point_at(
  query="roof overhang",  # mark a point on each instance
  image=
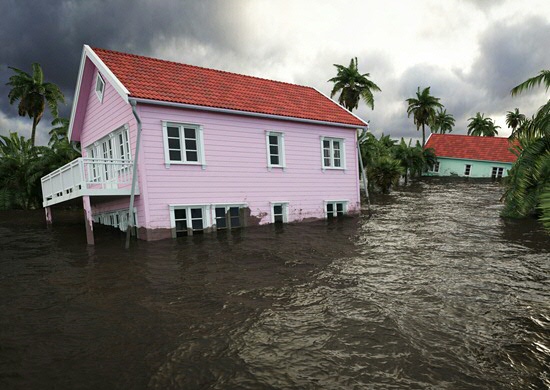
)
(247, 113)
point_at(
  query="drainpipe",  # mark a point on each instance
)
(361, 137)
(131, 214)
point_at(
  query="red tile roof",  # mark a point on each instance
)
(150, 78)
(471, 147)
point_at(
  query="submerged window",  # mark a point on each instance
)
(467, 170)
(279, 212)
(183, 143)
(333, 152)
(228, 217)
(189, 220)
(275, 149)
(335, 209)
(497, 172)
(99, 87)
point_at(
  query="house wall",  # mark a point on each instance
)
(456, 167)
(236, 167)
(102, 118)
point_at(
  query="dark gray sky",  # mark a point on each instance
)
(470, 52)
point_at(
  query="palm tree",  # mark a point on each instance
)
(423, 110)
(481, 126)
(411, 158)
(528, 184)
(353, 86)
(514, 119)
(442, 122)
(385, 172)
(21, 167)
(33, 94)
(543, 77)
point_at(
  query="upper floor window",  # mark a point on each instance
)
(467, 170)
(114, 146)
(275, 149)
(99, 87)
(183, 144)
(333, 153)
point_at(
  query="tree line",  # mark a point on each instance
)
(527, 187)
(22, 163)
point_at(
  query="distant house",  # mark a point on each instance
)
(217, 150)
(470, 156)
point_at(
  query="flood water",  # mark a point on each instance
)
(434, 291)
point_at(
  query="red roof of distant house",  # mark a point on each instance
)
(154, 79)
(471, 147)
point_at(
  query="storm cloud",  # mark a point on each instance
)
(297, 41)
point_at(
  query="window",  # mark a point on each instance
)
(435, 168)
(333, 153)
(335, 209)
(115, 146)
(497, 172)
(99, 87)
(189, 220)
(279, 212)
(183, 144)
(275, 149)
(228, 217)
(467, 170)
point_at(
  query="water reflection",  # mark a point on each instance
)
(433, 291)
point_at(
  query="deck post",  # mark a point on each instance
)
(48, 211)
(88, 220)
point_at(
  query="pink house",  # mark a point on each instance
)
(206, 149)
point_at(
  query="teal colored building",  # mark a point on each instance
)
(470, 156)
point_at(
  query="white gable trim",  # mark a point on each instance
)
(106, 72)
(87, 52)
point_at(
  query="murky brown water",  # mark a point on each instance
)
(435, 291)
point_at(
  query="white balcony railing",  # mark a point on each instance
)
(87, 176)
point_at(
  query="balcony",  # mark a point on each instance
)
(88, 177)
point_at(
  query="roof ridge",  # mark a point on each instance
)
(202, 67)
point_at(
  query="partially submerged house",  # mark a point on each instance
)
(206, 149)
(470, 156)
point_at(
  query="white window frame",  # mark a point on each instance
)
(284, 205)
(467, 170)
(334, 204)
(435, 168)
(228, 206)
(332, 140)
(110, 148)
(201, 160)
(495, 175)
(206, 221)
(99, 87)
(280, 146)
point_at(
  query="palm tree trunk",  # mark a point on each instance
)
(33, 133)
